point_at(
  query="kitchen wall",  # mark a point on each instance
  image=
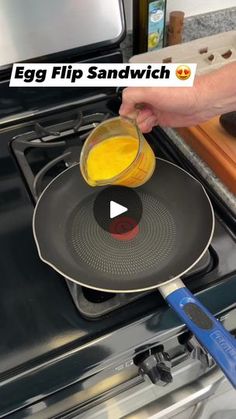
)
(190, 7)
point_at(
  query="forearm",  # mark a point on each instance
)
(217, 90)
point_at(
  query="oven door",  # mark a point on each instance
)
(126, 394)
(203, 398)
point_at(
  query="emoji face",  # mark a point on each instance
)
(183, 72)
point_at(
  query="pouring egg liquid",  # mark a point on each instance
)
(124, 159)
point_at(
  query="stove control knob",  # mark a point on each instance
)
(197, 351)
(157, 367)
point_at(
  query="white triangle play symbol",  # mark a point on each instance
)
(116, 209)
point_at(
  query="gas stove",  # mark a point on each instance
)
(67, 351)
(46, 151)
(63, 339)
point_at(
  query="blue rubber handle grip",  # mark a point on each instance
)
(207, 329)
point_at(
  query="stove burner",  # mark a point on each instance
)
(93, 304)
(46, 151)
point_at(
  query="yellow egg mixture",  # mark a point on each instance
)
(111, 157)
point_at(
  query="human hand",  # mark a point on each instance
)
(164, 106)
(212, 94)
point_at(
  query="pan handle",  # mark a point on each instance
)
(207, 329)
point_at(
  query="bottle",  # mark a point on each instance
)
(148, 25)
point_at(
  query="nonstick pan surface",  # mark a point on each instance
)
(175, 230)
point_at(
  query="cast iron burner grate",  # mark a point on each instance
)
(44, 152)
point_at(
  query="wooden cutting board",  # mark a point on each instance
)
(216, 147)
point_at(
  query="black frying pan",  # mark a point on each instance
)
(174, 233)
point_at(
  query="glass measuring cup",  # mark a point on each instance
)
(136, 172)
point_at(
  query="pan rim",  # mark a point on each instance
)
(153, 287)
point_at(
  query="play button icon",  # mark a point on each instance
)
(117, 209)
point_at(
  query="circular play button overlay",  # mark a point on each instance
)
(118, 210)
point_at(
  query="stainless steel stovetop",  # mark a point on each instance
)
(59, 337)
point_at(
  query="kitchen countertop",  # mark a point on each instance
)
(220, 189)
(209, 24)
(206, 24)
